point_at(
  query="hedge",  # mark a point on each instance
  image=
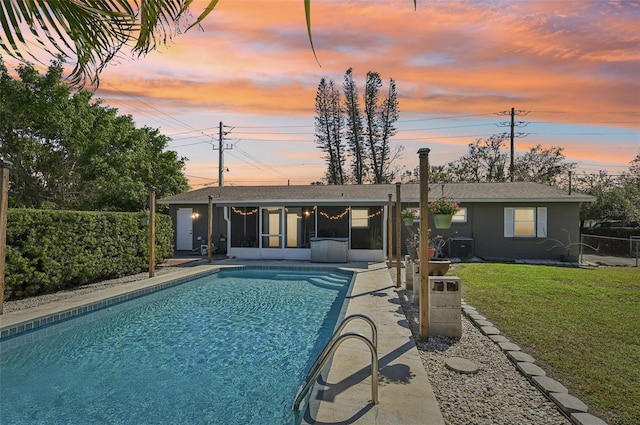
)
(52, 250)
(612, 232)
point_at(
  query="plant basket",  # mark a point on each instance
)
(408, 221)
(439, 267)
(442, 221)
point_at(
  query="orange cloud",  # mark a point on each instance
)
(567, 62)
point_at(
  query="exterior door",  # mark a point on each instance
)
(272, 227)
(184, 229)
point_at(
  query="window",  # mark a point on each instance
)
(360, 218)
(460, 216)
(300, 226)
(366, 227)
(525, 222)
(244, 227)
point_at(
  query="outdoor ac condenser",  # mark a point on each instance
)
(461, 247)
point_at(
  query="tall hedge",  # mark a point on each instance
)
(613, 232)
(52, 250)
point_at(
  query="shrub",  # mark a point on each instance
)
(51, 250)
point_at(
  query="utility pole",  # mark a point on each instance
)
(221, 149)
(511, 138)
(513, 124)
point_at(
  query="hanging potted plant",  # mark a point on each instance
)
(408, 216)
(443, 209)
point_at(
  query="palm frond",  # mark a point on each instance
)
(91, 32)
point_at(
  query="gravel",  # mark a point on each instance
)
(497, 394)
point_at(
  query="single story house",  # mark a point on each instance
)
(516, 220)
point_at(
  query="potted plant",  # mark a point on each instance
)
(408, 216)
(438, 265)
(443, 210)
(413, 245)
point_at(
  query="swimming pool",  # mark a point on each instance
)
(232, 347)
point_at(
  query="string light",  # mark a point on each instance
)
(308, 213)
(335, 217)
(237, 211)
(375, 213)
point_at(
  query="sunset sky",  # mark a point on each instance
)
(573, 66)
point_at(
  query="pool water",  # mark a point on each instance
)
(228, 348)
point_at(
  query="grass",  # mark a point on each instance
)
(582, 326)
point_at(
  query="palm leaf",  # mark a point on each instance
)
(92, 32)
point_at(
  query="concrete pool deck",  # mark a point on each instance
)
(405, 394)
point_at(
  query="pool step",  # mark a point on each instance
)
(335, 279)
(323, 281)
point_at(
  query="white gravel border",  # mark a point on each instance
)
(497, 395)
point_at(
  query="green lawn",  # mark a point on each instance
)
(582, 326)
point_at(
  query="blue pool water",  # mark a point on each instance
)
(228, 348)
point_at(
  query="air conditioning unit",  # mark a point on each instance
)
(461, 247)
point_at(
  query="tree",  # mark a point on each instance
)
(380, 118)
(372, 132)
(617, 197)
(328, 128)
(354, 127)
(541, 165)
(389, 113)
(487, 159)
(631, 181)
(70, 152)
(601, 186)
(96, 30)
(368, 138)
(485, 162)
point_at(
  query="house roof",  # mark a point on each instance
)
(374, 194)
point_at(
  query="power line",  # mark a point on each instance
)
(191, 131)
(152, 107)
(448, 117)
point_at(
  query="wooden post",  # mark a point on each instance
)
(152, 231)
(210, 230)
(390, 230)
(398, 235)
(424, 242)
(4, 206)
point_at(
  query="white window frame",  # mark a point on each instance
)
(539, 221)
(460, 216)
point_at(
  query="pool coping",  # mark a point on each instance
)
(22, 321)
(403, 400)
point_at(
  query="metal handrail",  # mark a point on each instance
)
(336, 335)
(334, 346)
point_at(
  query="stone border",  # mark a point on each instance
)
(572, 407)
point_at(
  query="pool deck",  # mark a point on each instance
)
(405, 394)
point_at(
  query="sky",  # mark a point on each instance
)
(571, 69)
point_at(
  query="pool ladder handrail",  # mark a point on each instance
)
(332, 346)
